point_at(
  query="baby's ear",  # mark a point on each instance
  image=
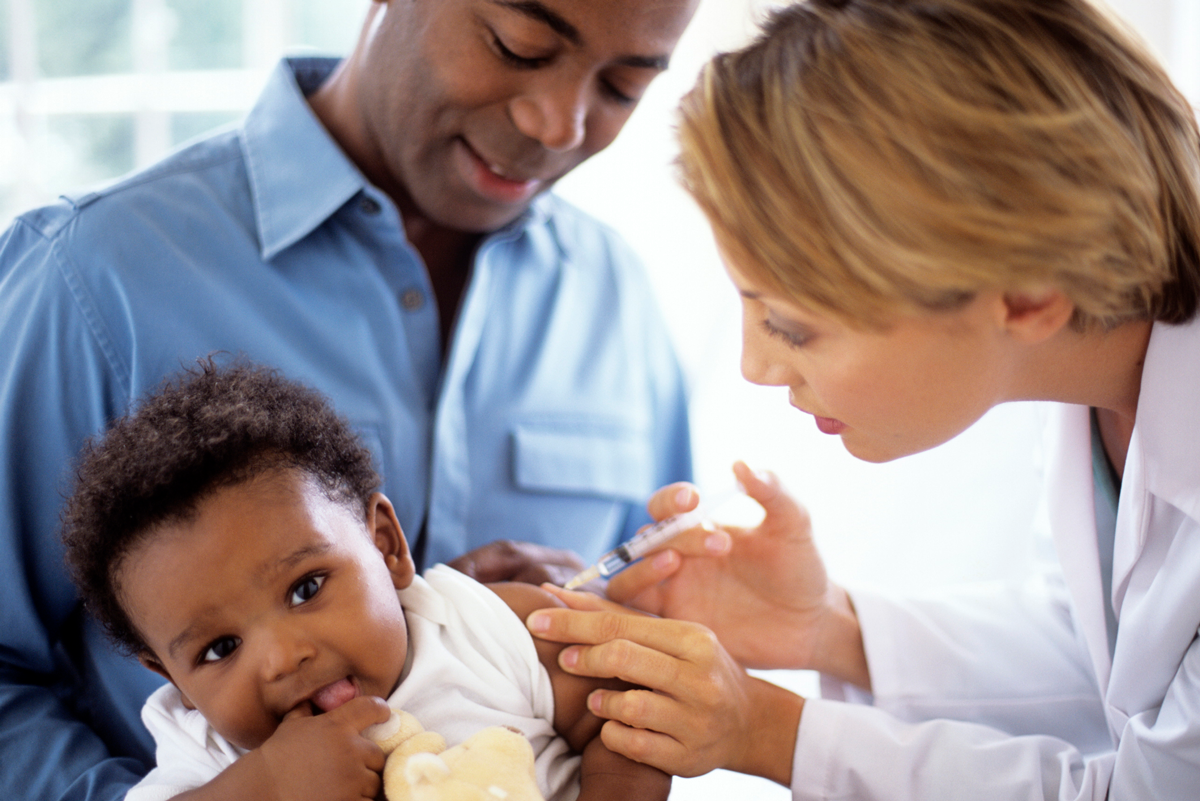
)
(150, 662)
(389, 539)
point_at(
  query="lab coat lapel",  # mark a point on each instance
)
(1073, 523)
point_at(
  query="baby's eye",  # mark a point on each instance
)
(306, 589)
(220, 649)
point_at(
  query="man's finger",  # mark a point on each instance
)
(506, 560)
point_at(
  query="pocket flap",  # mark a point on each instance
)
(584, 458)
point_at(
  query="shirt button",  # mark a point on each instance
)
(412, 299)
(369, 205)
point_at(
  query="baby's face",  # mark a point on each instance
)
(272, 598)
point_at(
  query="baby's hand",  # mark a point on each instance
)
(324, 758)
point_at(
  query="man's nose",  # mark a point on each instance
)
(554, 112)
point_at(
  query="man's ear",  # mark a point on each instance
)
(389, 539)
(1035, 315)
(150, 662)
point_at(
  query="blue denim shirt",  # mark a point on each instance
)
(558, 408)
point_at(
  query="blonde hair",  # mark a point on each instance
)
(872, 155)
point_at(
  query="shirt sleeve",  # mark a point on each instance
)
(54, 392)
(989, 699)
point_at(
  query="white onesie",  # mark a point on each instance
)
(471, 664)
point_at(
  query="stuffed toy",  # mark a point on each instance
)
(494, 764)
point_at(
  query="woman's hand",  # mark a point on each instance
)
(700, 711)
(766, 594)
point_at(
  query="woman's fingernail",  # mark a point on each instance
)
(594, 701)
(663, 561)
(538, 622)
(684, 497)
(717, 543)
(568, 657)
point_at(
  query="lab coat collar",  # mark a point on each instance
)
(1161, 463)
(1162, 459)
(1166, 426)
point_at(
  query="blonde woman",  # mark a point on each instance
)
(930, 207)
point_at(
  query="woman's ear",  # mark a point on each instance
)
(389, 539)
(1035, 315)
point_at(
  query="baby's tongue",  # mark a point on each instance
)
(331, 696)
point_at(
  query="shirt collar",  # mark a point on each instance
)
(298, 174)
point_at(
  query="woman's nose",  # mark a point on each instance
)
(554, 113)
(760, 366)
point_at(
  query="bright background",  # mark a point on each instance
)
(90, 89)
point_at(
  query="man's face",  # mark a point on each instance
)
(470, 108)
(271, 598)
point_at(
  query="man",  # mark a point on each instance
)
(380, 230)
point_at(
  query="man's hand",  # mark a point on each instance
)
(525, 562)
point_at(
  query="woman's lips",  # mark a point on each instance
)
(331, 696)
(828, 425)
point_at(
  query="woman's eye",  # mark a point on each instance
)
(306, 589)
(794, 340)
(220, 649)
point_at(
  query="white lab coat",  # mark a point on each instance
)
(1054, 716)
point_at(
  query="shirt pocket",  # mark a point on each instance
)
(609, 458)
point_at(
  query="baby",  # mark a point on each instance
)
(228, 533)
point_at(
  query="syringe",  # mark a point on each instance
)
(649, 539)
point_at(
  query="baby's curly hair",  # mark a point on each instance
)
(210, 427)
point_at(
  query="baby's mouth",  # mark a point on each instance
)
(331, 696)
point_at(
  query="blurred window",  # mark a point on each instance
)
(90, 89)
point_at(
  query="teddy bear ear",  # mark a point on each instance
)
(399, 727)
(425, 768)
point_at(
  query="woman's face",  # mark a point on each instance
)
(886, 392)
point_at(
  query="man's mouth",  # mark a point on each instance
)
(498, 181)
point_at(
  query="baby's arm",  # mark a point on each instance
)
(604, 774)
